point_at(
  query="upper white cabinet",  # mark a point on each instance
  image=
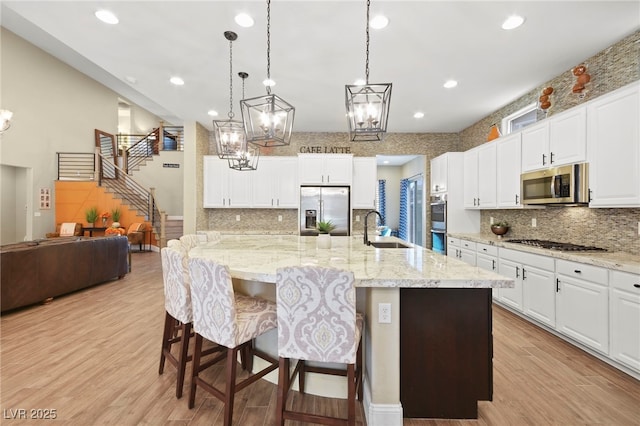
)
(614, 148)
(508, 154)
(439, 170)
(558, 140)
(325, 169)
(480, 177)
(275, 183)
(365, 180)
(225, 187)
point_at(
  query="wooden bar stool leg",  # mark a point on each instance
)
(283, 390)
(351, 394)
(230, 391)
(301, 376)
(166, 336)
(196, 370)
(182, 359)
(359, 371)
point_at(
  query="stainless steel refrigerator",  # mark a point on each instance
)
(323, 203)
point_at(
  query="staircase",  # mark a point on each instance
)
(173, 228)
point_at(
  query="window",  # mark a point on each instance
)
(520, 119)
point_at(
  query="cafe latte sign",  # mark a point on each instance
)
(325, 149)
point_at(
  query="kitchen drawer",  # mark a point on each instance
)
(487, 249)
(625, 281)
(469, 245)
(582, 271)
(453, 242)
(542, 262)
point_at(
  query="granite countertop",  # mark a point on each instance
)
(616, 260)
(256, 258)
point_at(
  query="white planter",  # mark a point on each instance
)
(324, 241)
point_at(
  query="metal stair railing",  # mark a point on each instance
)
(141, 151)
(76, 166)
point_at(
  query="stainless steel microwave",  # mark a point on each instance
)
(558, 185)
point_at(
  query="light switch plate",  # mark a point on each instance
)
(534, 222)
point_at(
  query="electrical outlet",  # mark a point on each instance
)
(534, 222)
(357, 218)
(491, 220)
(638, 228)
(384, 313)
(237, 218)
(279, 218)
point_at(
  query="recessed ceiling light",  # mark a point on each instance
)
(359, 82)
(107, 17)
(513, 21)
(378, 22)
(268, 82)
(418, 115)
(177, 81)
(244, 20)
(212, 113)
(450, 84)
(385, 162)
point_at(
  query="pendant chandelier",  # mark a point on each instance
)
(246, 158)
(368, 104)
(268, 119)
(229, 134)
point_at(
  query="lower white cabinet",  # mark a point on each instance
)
(582, 295)
(625, 318)
(487, 258)
(462, 249)
(534, 291)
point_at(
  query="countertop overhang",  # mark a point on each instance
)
(257, 257)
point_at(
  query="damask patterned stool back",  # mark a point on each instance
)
(317, 321)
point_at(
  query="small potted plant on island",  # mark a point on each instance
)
(91, 215)
(324, 233)
(500, 228)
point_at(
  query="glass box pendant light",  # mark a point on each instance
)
(368, 104)
(268, 119)
(247, 157)
(229, 134)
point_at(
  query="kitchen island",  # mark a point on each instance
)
(432, 360)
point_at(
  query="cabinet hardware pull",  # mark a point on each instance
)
(493, 266)
(590, 192)
(543, 159)
(516, 199)
(636, 285)
(577, 271)
(484, 249)
(557, 285)
(523, 272)
(551, 158)
(478, 201)
(517, 272)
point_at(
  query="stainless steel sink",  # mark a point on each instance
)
(389, 244)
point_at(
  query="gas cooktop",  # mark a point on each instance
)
(553, 245)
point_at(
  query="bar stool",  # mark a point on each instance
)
(178, 316)
(189, 241)
(230, 320)
(317, 321)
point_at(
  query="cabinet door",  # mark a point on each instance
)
(568, 137)
(264, 182)
(488, 263)
(363, 189)
(511, 296)
(471, 179)
(539, 294)
(287, 187)
(625, 318)
(613, 139)
(311, 169)
(487, 176)
(239, 187)
(508, 158)
(583, 312)
(467, 256)
(535, 147)
(215, 173)
(338, 169)
(439, 174)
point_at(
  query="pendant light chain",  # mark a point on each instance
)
(231, 114)
(367, 61)
(268, 45)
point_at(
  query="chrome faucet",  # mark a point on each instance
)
(366, 234)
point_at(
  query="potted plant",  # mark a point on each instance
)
(500, 228)
(324, 237)
(115, 214)
(91, 215)
(105, 216)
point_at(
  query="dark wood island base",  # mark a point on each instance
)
(446, 351)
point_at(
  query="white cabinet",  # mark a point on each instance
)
(487, 258)
(325, 169)
(614, 148)
(508, 155)
(462, 249)
(555, 141)
(224, 187)
(583, 304)
(534, 293)
(439, 170)
(625, 318)
(365, 181)
(275, 183)
(480, 177)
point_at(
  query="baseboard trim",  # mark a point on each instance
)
(380, 414)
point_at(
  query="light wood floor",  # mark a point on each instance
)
(93, 357)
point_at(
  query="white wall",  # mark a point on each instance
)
(166, 180)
